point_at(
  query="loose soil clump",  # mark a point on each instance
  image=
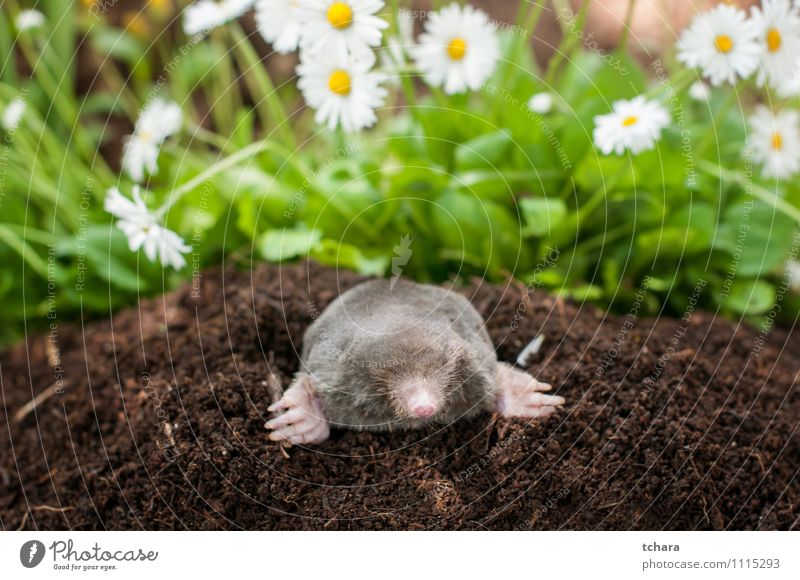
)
(154, 419)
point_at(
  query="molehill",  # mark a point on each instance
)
(155, 418)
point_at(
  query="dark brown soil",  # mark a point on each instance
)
(157, 423)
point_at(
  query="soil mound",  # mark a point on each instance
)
(155, 420)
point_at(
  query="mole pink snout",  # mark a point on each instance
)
(421, 403)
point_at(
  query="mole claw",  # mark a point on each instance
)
(317, 435)
(277, 406)
(285, 419)
(302, 419)
(540, 399)
(520, 395)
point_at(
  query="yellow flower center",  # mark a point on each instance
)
(457, 48)
(135, 23)
(339, 82)
(777, 141)
(724, 43)
(161, 6)
(340, 15)
(630, 121)
(774, 40)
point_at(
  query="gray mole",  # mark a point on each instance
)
(394, 354)
(372, 339)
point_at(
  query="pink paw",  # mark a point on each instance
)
(520, 395)
(302, 420)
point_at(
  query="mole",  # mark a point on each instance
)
(393, 354)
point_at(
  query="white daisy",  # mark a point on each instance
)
(458, 50)
(790, 87)
(12, 115)
(541, 103)
(142, 229)
(29, 19)
(774, 142)
(635, 125)
(699, 91)
(279, 23)
(723, 43)
(342, 90)
(157, 121)
(204, 15)
(332, 28)
(778, 24)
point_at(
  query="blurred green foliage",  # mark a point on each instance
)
(482, 185)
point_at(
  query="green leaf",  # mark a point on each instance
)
(687, 231)
(243, 128)
(750, 296)
(115, 271)
(117, 43)
(283, 244)
(105, 252)
(262, 200)
(7, 73)
(406, 139)
(476, 227)
(542, 215)
(193, 70)
(344, 202)
(757, 234)
(340, 255)
(102, 102)
(60, 48)
(586, 292)
(483, 152)
(600, 74)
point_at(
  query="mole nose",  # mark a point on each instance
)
(422, 404)
(423, 411)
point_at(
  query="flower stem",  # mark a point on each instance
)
(569, 231)
(208, 137)
(720, 114)
(573, 34)
(626, 27)
(528, 28)
(224, 96)
(254, 69)
(24, 250)
(232, 160)
(65, 109)
(755, 189)
(406, 80)
(527, 25)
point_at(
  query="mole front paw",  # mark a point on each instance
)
(301, 419)
(520, 395)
